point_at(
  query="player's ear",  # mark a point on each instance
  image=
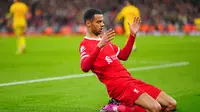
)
(88, 23)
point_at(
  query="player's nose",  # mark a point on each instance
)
(102, 24)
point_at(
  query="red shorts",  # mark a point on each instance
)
(133, 90)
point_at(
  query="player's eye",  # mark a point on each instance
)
(99, 21)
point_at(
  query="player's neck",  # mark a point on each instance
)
(89, 34)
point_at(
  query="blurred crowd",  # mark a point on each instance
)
(66, 16)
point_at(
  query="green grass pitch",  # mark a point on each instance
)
(51, 56)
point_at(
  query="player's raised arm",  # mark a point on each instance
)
(134, 28)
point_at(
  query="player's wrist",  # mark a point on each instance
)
(132, 35)
(99, 45)
(97, 49)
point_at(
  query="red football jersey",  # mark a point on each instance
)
(107, 66)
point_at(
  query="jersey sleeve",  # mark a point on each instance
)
(137, 12)
(126, 51)
(84, 51)
(88, 55)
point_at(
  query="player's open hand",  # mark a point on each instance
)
(107, 37)
(135, 26)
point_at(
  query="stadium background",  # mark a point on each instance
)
(65, 16)
(48, 77)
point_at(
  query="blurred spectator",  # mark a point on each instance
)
(157, 14)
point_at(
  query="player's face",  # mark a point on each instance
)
(97, 24)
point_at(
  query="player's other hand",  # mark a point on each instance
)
(107, 37)
(135, 26)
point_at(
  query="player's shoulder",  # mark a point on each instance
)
(128, 7)
(24, 4)
(13, 5)
(88, 43)
(16, 4)
(83, 45)
(134, 7)
(84, 41)
(87, 40)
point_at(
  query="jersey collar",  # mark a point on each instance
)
(92, 38)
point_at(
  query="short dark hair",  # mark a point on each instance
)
(89, 14)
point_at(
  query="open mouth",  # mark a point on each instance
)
(101, 30)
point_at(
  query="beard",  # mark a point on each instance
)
(97, 33)
(96, 30)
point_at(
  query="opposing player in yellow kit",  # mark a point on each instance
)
(128, 13)
(18, 10)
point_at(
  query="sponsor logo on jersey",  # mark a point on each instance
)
(82, 49)
(108, 59)
(136, 91)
